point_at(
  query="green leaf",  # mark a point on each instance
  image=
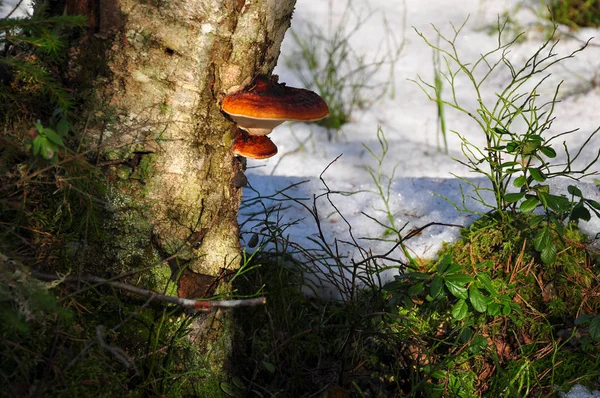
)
(536, 220)
(394, 286)
(579, 212)
(53, 137)
(416, 288)
(253, 242)
(548, 151)
(542, 197)
(477, 299)
(595, 328)
(39, 127)
(542, 239)
(542, 188)
(510, 164)
(536, 174)
(462, 279)
(532, 144)
(593, 204)
(459, 310)
(506, 309)
(583, 318)
(453, 269)
(548, 253)
(62, 127)
(513, 197)
(443, 264)
(512, 147)
(238, 383)
(418, 275)
(269, 367)
(501, 131)
(465, 335)
(229, 389)
(520, 181)
(529, 204)
(478, 344)
(487, 283)
(457, 290)
(37, 142)
(493, 309)
(47, 149)
(573, 190)
(437, 286)
(558, 203)
(433, 372)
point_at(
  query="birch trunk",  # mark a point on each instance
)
(156, 72)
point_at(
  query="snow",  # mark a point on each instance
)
(23, 9)
(579, 391)
(409, 122)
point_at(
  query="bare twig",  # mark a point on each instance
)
(197, 305)
(112, 330)
(14, 9)
(117, 352)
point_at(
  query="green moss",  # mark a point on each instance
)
(123, 172)
(144, 169)
(129, 232)
(210, 387)
(508, 250)
(160, 278)
(576, 13)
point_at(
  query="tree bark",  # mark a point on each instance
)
(156, 73)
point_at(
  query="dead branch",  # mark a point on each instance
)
(196, 305)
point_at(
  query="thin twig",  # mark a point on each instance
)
(117, 352)
(13, 10)
(112, 330)
(197, 305)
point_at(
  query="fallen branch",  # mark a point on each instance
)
(197, 305)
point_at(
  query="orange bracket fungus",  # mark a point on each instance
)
(253, 146)
(266, 104)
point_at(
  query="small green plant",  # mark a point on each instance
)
(383, 183)
(327, 63)
(49, 140)
(438, 86)
(516, 124)
(573, 13)
(593, 322)
(480, 321)
(29, 49)
(471, 294)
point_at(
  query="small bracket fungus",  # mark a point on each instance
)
(266, 104)
(253, 146)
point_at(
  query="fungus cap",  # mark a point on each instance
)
(266, 104)
(253, 146)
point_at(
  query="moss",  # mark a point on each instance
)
(210, 387)
(161, 279)
(123, 172)
(576, 13)
(144, 169)
(128, 233)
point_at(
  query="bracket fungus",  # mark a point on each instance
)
(266, 104)
(253, 146)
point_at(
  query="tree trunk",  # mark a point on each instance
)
(156, 72)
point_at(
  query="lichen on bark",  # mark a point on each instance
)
(165, 142)
(170, 65)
